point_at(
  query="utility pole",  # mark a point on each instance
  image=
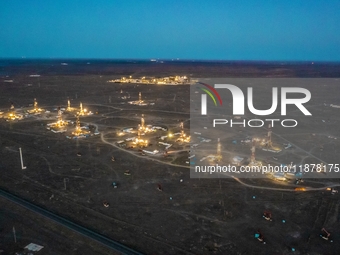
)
(22, 163)
(15, 236)
(65, 180)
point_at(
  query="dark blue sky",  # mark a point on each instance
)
(221, 30)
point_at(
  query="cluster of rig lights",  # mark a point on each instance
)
(255, 163)
(145, 130)
(83, 111)
(265, 142)
(262, 142)
(139, 102)
(35, 109)
(276, 149)
(183, 137)
(218, 151)
(12, 115)
(163, 80)
(142, 129)
(69, 108)
(59, 125)
(140, 142)
(213, 158)
(78, 130)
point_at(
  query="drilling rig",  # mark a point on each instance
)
(269, 136)
(218, 153)
(252, 157)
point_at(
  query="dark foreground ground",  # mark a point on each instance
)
(31, 228)
(195, 216)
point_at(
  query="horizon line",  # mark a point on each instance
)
(169, 59)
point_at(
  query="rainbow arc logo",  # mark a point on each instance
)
(210, 94)
(211, 91)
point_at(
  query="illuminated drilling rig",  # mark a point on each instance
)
(78, 123)
(139, 102)
(142, 123)
(252, 157)
(142, 127)
(74, 109)
(218, 153)
(269, 136)
(79, 132)
(267, 142)
(35, 104)
(35, 109)
(139, 141)
(83, 111)
(183, 137)
(59, 116)
(12, 115)
(182, 129)
(69, 108)
(138, 133)
(60, 125)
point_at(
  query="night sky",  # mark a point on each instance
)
(214, 30)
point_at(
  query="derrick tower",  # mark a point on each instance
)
(142, 122)
(269, 136)
(218, 153)
(252, 157)
(35, 104)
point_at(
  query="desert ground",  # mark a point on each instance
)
(72, 177)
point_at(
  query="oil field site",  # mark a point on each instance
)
(116, 156)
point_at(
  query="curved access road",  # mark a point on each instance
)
(115, 246)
